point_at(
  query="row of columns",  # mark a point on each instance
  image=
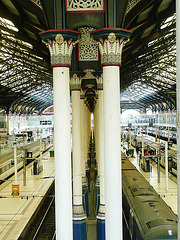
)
(110, 46)
(99, 140)
(178, 106)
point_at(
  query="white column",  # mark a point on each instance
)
(87, 129)
(62, 152)
(8, 123)
(110, 47)
(178, 105)
(112, 152)
(96, 133)
(76, 145)
(83, 139)
(15, 162)
(142, 155)
(166, 164)
(168, 135)
(60, 51)
(100, 144)
(41, 148)
(130, 139)
(156, 131)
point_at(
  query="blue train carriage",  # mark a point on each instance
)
(146, 215)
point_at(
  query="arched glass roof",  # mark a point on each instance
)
(25, 78)
(153, 72)
(148, 72)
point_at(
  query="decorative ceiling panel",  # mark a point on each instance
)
(84, 5)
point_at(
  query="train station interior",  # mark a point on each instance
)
(89, 119)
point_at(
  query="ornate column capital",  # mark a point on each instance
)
(82, 94)
(111, 42)
(75, 83)
(60, 44)
(100, 82)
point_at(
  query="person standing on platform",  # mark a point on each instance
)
(137, 149)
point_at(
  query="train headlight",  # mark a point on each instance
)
(170, 232)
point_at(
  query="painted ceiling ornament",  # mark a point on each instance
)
(38, 3)
(59, 38)
(112, 37)
(87, 49)
(89, 73)
(84, 5)
(131, 4)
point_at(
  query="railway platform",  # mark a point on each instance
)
(17, 210)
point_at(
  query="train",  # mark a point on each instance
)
(163, 132)
(32, 152)
(146, 214)
(159, 132)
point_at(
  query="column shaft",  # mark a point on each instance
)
(87, 130)
(112, 156)
(62, 152)
(76, 144)
(178, 106)
(8, 123)
(83, 139)
(101, 147)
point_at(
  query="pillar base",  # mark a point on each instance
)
(85, 199)
(79, 223)
(101, 223)
(97, 189)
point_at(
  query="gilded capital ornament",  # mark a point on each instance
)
(111, 50)
(111, 42)
(75, 82)
(99, 81)
(60, 50)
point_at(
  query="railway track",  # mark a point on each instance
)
(46, 229)
(42, 225)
